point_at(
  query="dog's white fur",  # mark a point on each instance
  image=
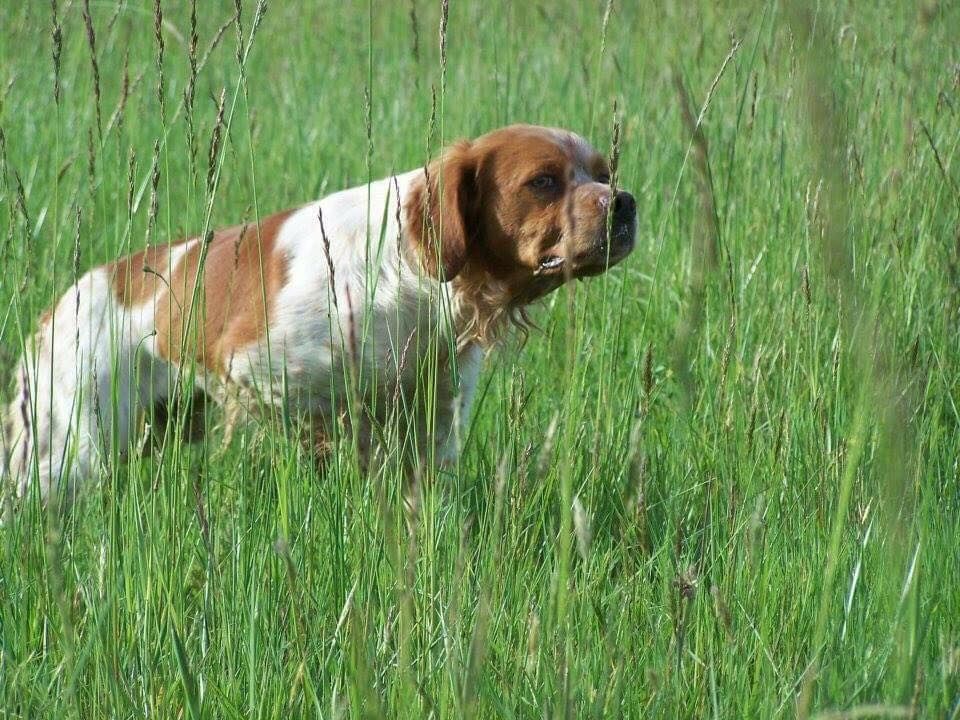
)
(93, 365)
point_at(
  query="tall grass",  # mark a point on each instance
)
(720, 480)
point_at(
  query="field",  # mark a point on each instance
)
(720, 481)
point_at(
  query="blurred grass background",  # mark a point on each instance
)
(720, 488)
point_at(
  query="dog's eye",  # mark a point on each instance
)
(603, 178)
(544, 182)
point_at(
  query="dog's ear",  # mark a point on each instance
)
(442, 212)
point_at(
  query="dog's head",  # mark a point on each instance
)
(529, 206)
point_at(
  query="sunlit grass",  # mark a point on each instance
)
(723, 488)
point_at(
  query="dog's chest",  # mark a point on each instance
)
(372, 331)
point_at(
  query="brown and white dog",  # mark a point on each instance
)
(354, 293)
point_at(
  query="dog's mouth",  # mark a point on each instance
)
(549, 264)
(599, 258)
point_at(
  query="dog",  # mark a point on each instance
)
(387, 295)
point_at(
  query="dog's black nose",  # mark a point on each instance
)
(624, 206)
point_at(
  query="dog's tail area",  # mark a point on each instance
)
(16, 436)
(25, 426)
(80, 384)
(77, 386)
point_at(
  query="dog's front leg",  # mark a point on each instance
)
(453, 422)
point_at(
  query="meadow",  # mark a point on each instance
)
(719, 481)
